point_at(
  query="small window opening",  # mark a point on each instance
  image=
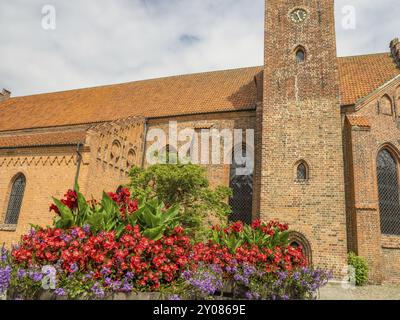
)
(300, 55)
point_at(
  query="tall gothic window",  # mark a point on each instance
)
(15, 201)
(388, 188)
(241, 184)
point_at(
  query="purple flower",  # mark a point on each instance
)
(206, 282)
(60, 292)
(116, 285)
(296, 276)
(107, 281)
(86, 228)
(282, 275)
(129, 275)
(105, 271)
(127, 287)
(74, 267)
(35, 276)
(21, 273)
(98, 291)
(174, 297)
(186, 274)
(5, 277)
(248, 270)
(249, 295)
(3, 254)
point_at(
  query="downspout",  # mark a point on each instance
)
(145, 142)
(78, 165)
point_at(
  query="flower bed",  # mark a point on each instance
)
(137, 255)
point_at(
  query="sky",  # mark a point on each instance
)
(56, 45)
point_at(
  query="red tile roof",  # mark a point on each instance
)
(358, 121)
(189, 94)
(217, 91)
(361, 75)
(43, 139)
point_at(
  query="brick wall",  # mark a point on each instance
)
(48, 171)
(373, 124)
(114, 149)
(51, 171)
(301, 121)
(218, 174)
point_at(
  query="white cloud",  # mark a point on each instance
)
(111, 41)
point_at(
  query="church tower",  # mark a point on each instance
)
(302, 180)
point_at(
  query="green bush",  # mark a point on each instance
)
(187, 186)
(361, 268)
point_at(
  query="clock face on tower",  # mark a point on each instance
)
(298, 15)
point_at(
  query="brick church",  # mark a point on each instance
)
(327, 137)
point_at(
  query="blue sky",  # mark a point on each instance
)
(99, 42)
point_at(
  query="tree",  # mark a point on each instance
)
(185, 185)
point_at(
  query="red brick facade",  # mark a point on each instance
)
(301, 122)
(327, 116)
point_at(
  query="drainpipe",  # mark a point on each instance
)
(78, 165)
(145, 142)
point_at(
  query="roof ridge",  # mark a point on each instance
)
(364, 55)
(136, 81)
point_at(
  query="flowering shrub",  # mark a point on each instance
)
(93, 265)
(147, 264)
(252, 283)
(5, 271)
(114, 213)
(257, 234)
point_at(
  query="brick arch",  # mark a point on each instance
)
(298, 238)
(300, 48)
(391, 148)
(386, 105)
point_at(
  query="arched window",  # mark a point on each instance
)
(388, 189)
(241, 183)
(300, 55)
(296, 240)
(15, 201)
(302, 172)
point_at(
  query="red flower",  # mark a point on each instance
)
(256, 224)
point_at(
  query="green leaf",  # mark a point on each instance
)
(66, 217)
(82, 203)
(154, 233)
